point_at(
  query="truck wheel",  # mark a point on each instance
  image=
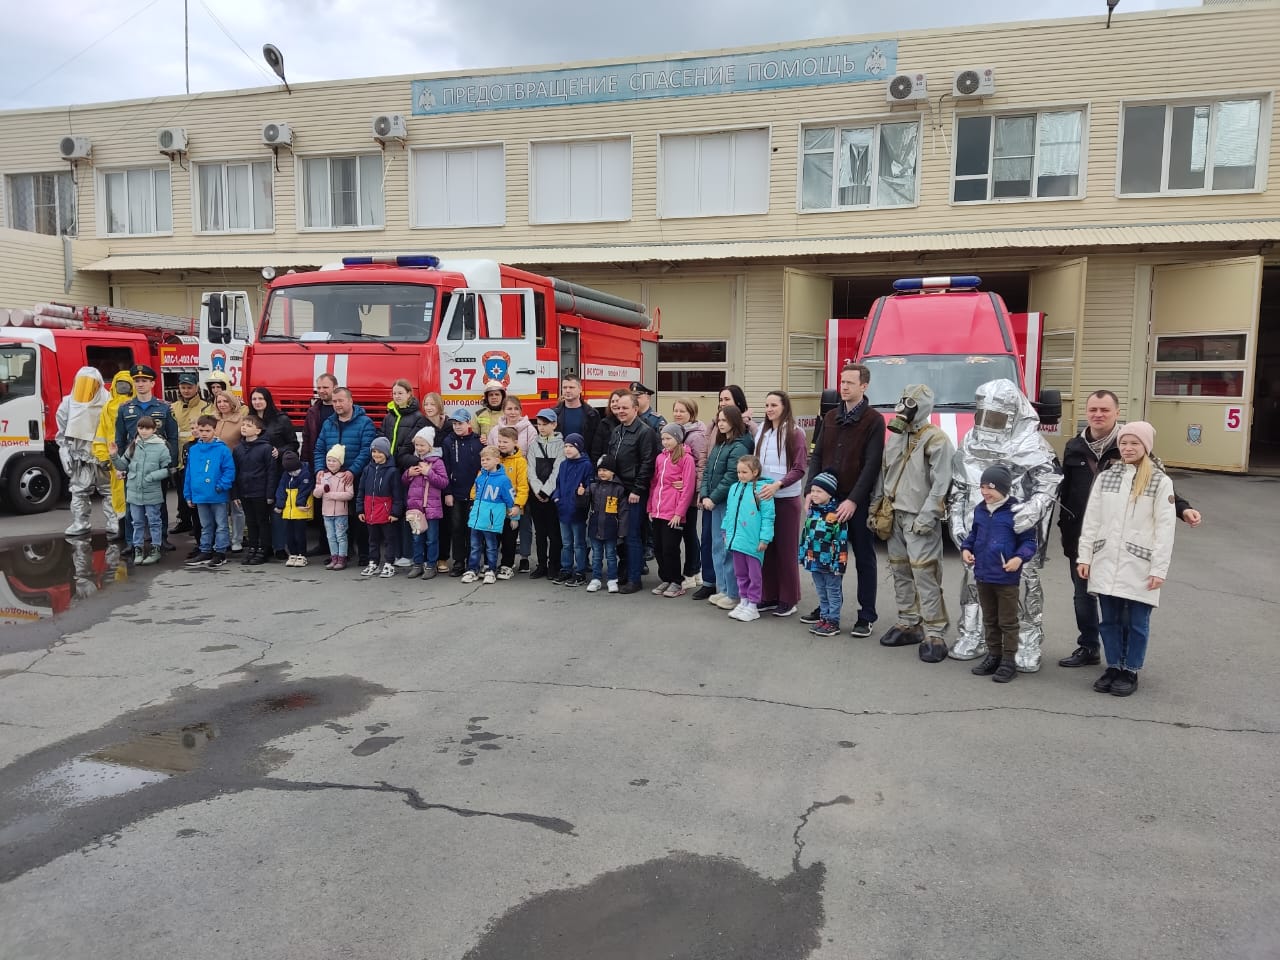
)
(34, 485)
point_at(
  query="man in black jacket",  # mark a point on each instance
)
(634, 448)
(1083, 458)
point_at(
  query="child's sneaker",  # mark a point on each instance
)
(673, 590)
(470, 577)
(388, 570)
(825, 628)
(727, 603)
(302, 560)
(370, 570)
(593, 586)
(746, 612)
(660, 589)
(504, 573)
(198, 559)
(490, 578)
(613, 586)
(524, 565)
(219, 559)
(560, 578)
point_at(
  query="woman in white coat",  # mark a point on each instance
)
(1126, 544)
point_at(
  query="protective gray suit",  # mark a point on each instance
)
(1006, 430)
(77, 418)
(88, 579)
(915, 475)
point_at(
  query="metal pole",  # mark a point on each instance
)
(186, 42)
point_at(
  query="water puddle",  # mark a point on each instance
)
(43, 579)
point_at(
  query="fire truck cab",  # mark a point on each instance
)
(950, 335)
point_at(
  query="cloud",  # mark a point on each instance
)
(335, 39)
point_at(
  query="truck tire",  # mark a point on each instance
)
(34, 485)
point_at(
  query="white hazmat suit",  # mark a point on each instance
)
(77, 418)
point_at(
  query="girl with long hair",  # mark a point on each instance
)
(784, 457)
(732, 443)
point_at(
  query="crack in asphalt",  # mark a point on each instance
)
(413, 798)
(844, 711)
(396, 613)
(1225, 593)
(841, 800)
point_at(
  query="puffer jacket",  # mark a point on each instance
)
(517, 469)
(1123, 541)
(491, 498)
(573, 474)
(342, 489)
(145, 463)
(281, 433)
(381, 493)
(356, 434)
(211, 473)
(399, 426)
(748, 520)
(462, 461)
(665, 501)
(722, 468)
(545, 455)
(610, 510)
(425, 491)
(526, 433)
(993, 541)
(294, 495)
(256, 470)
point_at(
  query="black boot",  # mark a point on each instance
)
(1006, 671)
(932, 650)
(258, 558)
(249, 554)
(987, 667)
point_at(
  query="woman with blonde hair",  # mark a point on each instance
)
(1126, 544)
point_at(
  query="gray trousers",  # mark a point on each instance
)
(86, 479)
(916, 563)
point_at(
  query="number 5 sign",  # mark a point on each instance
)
(1234, 419)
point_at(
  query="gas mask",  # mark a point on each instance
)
(904, 415)
(124, 388)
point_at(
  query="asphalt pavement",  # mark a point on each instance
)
(272, 762)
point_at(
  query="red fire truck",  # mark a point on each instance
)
(446, 327)
(948, 334)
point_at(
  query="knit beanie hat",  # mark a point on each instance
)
(290, 461)
(1144, 431)
(337, 452)
(999, 476)
(576, 440)
(427, 434)
(381, 444)
(607, 462)
(826, 481)
(675, 430)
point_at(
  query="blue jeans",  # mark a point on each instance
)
(484, 548)
(335, 531)
(143, 516)
(215, 535)
(726, 579)
(830, 588)
(573, 547)
(426, 545)
(635, 541)
(1125, 629)
(709, 530)
(603, 551)
(1086, 611)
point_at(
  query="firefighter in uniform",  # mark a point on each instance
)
(77, 418)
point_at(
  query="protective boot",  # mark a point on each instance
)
(933, 650)
(907, 636)
(81, 516)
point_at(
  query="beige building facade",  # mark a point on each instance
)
(1118, 180)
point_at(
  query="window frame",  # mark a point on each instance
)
(818, 365)
(415, 185)
(660, 177)
(628, 138)
(707, 367)
(876, 121)
(1082, 177)
(300, 191)
(1156, 367)
(104, 213)
(7, 189)
(1262, 149)
(196, 225)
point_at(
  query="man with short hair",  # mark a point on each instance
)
(1083, 458)
(320, 411)
(146, 404)
(350, 426)
(574, 415)
(634, 448)
(851, 447)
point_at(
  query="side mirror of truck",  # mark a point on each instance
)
(1049, 406)
(830, 400)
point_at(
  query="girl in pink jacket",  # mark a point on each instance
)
(674, 483)
(335, 487)
(425, 483)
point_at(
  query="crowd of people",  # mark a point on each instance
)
(730, 510)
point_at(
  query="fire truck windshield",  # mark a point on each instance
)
(953, 379)
(337, 311)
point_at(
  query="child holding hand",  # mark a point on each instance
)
(748, 531)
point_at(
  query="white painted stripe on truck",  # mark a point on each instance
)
(947, 421)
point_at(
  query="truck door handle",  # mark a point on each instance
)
(526, 370)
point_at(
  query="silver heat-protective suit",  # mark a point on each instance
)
(77, 418)
(1006, 429)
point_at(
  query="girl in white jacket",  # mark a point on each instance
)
(1126, 544)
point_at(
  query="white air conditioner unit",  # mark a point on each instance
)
(75, 148)
(277, 134)
(172, 140)
(389, 126)
(977, 82)
(905, 88)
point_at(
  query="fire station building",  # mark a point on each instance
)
(1118, 179)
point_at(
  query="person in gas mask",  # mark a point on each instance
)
(121, 392)
(907, 507)
(77, 418)
(1006, 429)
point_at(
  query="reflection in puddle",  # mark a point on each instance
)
(43, 579)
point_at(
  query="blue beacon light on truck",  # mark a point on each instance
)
(936, 283)
(403, 260)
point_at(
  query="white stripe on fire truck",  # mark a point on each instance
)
(340, 367)
(318, 366)
(947, 421)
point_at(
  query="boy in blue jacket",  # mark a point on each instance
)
(492, 501)
(572, 500)
(997, 554)
(211, 473)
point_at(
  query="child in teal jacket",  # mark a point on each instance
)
(748, 531)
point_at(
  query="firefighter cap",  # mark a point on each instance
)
(189, 377)
(142, 370)
(638, 387)
(494, 386)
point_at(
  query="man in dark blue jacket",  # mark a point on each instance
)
(350, 426)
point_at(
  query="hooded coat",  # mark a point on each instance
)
(573, 474)
(107, 434)
(145, 463)
(748, 520)
(1124, 540)
(425, 492)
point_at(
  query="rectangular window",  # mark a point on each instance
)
(1190, 148)
(1019, 157)
(806, 363)
(43, 203)
(580, 182)
(692, 366)
(234, 197)
(462, 187)
(137, 202)
(714, 174)
(342, 192)
(863, 166)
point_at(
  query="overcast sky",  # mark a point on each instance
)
(125, 49)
